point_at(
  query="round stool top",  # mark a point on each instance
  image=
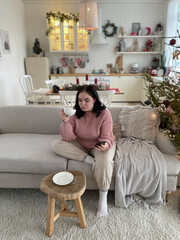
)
(67, 192)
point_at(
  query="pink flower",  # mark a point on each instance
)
(169, 110)
(149, 42)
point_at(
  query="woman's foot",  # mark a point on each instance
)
(102, 204)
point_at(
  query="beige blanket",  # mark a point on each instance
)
(140, 170)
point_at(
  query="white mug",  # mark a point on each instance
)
(69, 111)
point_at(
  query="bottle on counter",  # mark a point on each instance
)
(95, 81)
(87, 78)
(77, 80)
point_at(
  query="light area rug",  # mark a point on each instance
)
(23, 217)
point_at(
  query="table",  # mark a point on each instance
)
(67, 97)
(72, 191)
(51, 93)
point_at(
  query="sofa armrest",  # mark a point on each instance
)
(164, 144)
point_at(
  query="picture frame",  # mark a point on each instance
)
(136, 27)
(1, 51)
(5, 41)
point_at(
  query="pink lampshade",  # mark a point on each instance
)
(88, 15)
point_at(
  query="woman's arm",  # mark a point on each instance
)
(106, 129)
(67, 127)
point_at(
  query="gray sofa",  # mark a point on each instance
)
(26, 156)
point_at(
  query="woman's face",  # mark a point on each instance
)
(86, 102)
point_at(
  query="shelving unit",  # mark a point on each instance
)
(136, 50)
(140, 38)
(143, 53)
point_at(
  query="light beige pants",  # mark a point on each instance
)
(103, 166)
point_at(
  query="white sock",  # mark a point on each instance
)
(102, 204)
(88, 159)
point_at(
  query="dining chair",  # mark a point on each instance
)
(68, 98)
(106, 96)
(32, 95)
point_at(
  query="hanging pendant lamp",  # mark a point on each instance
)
(88, 15)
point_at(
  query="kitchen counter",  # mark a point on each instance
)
(83, 74)
(129, 83)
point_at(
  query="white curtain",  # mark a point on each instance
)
(173, 9)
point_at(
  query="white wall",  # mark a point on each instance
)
(12, 19)
(122, 13)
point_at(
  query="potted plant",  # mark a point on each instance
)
(36, 48)
(165, 97)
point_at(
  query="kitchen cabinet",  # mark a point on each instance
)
(130, 85)
(66, 36)
(143, 91)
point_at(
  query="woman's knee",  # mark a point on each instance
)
(56, 145)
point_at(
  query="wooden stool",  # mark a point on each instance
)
(72, 191)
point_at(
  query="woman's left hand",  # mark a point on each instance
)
(102, 147)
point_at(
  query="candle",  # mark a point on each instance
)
(86, 77)
(77, 80)
(95, 80)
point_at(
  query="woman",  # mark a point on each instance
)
(80, 134)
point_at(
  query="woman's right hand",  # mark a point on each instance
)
(64, 117)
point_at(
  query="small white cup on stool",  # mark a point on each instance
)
(69, 111)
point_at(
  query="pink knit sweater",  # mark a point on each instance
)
(89, 129)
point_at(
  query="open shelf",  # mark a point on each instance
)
(138, 36)
(144, 53)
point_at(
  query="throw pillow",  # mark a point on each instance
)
(117, 130)
(139, 122)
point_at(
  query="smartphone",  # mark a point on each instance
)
(100, 143)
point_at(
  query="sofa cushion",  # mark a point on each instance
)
(173, 164)
(29, 153)
(117, 130)
(30, 119)
(139, 122)
(164, 144)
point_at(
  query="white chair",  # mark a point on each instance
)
(50, 83)
(32, 95)
(68, 98)
(106, 96)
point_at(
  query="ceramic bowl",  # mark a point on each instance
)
(69, 111)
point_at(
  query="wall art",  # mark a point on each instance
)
(5, 41)
(1, 52)
(136, 27)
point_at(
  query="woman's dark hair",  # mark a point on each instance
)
(98, 105)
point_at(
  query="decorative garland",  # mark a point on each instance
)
(109, 25)
(61, 17)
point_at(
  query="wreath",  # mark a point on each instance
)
(113, 29)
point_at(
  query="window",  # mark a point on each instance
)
(66, 36)
(177, 62)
